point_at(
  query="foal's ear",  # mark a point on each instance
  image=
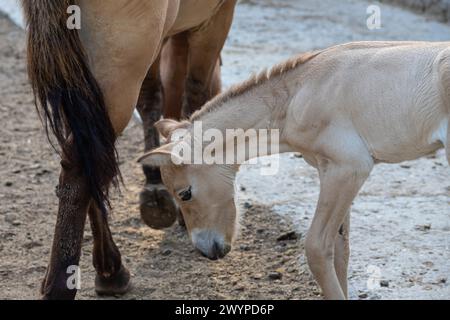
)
(161, 156)
(166, 126)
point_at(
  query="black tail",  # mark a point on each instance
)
(68, 98)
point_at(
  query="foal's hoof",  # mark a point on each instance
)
(116, 285)
(158, 209)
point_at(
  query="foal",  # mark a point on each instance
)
(345, 109)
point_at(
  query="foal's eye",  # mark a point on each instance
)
(186, 194)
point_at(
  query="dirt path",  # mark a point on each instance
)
(413, 260)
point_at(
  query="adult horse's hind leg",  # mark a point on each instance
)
(205, 45)
(120, 50)
(74, 200)
(112, 277)
(158, 209)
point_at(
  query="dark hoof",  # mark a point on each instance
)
(116, 285)
(158, 209)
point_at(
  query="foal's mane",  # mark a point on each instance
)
(254, 81)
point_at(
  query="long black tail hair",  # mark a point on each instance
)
(68, 97)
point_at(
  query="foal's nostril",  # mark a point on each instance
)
(219, 251)
(210, 244)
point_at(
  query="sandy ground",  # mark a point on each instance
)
(400, 222)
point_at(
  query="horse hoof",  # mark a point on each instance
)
(115, 285)
(158, 209)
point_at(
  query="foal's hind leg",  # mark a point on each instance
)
(157, 207)
(340, 181)
(205, 45)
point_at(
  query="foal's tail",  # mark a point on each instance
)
(68, 98)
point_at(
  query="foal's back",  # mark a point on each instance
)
(395, 95)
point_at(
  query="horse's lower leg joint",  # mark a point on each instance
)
(197, 93)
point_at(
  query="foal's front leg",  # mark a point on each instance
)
(342, 254)
(340, 184)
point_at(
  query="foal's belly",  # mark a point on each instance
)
(193, 13)
(410, 146)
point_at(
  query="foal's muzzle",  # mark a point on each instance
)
(210, 244)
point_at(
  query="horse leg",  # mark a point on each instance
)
(74, 200)
(158, 209)
(205, 45)
(174, 61)
(112, 277)
(342, 254)
(120, 55)
(340, 180)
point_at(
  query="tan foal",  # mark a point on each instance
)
(345, 109)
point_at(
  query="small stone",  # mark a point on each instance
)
(166, 252)
(11, 218)
(425, 227)
(275, 275)
(384, 283)
(243, 188)
(257, 276)
(405, 167)
(245, 247)
(363, 295)
(8, 184)
(293, 235)
(442, 280)
(248, 205)
(32, 244)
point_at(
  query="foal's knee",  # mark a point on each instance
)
(318, 252)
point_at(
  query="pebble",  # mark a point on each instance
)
(275, 275)
(248, 205)
(8, 184)
(363, 295)
(258, 276)
(384, 283)
(12, 218)
(292, 235)
(166, 252)
(425, 227)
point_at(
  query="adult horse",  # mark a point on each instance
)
(87, 83)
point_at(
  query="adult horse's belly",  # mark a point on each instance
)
(193, 13)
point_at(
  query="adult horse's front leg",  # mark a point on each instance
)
(158, 209)
(205, 45)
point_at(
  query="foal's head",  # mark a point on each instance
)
(205, 194)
